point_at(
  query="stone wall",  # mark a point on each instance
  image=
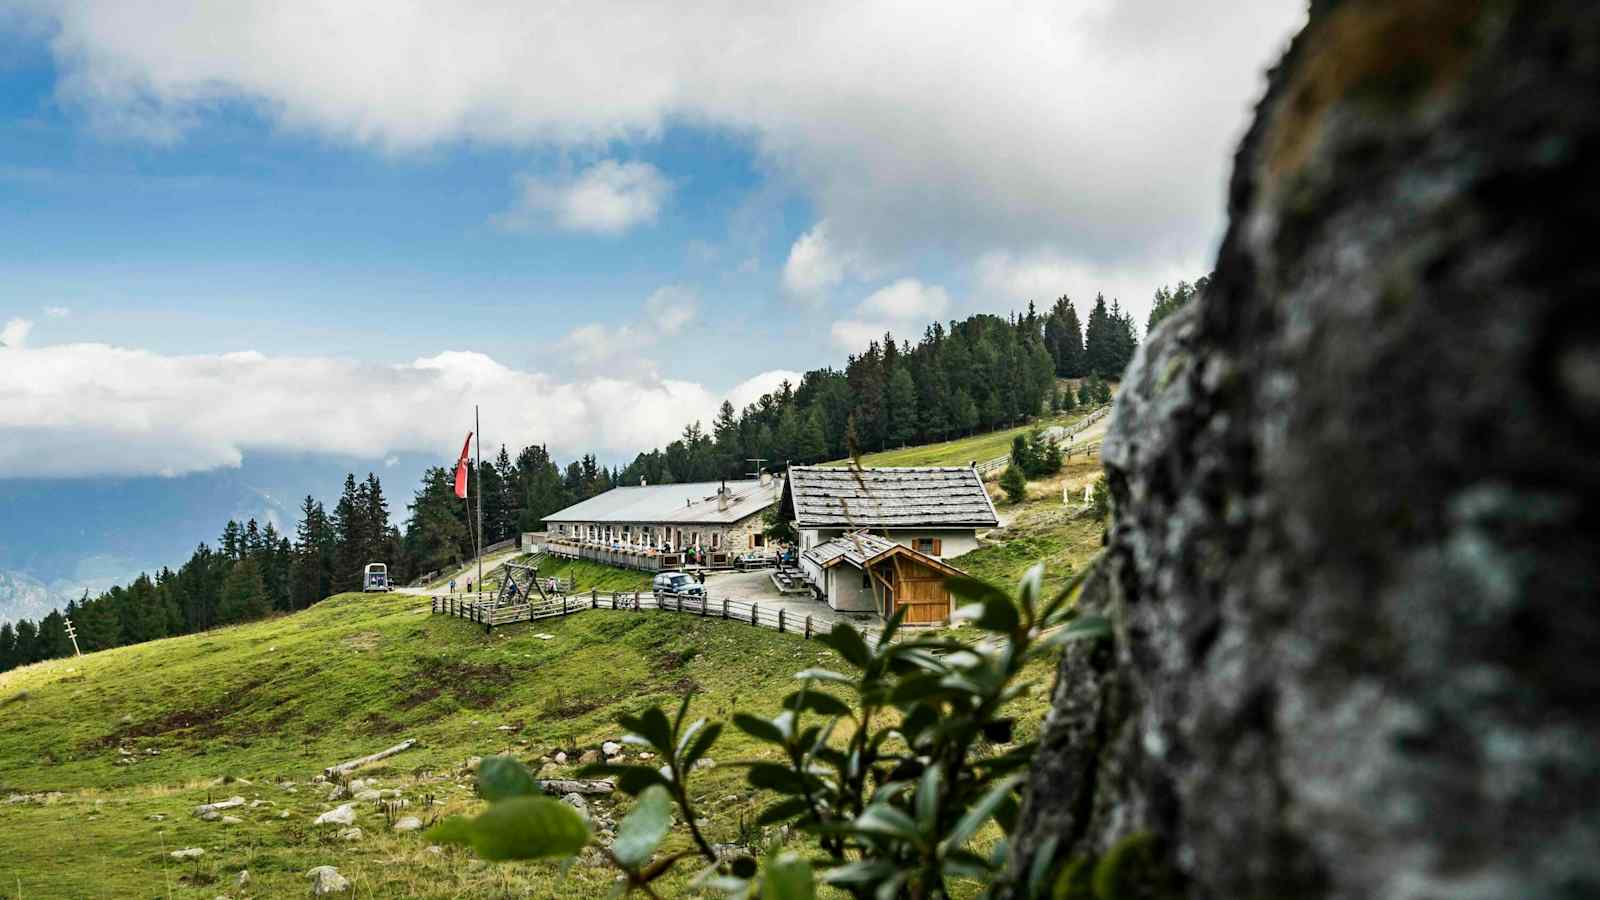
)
(1353, 558)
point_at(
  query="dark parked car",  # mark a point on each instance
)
(678, 583)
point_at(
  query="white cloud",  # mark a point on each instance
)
(1106, 124)
(1007, 281)
(15, 332)
(907, 298)
(92, 409)
(391, 461)
(57, 312)
(904, 307)
(815, 265)
(666, 313)
(609, 197)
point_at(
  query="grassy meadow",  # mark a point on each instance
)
(960, 452)
(103, 758)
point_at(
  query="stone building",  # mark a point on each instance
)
(721, 516)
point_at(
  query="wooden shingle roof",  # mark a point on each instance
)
(918, 497)
(861, 550)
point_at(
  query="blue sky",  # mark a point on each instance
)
(238, 229)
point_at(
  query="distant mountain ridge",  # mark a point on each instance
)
(59, 537)
(25, 597)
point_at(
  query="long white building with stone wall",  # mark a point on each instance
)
(707, 515)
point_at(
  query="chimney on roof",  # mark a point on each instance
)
(722, 498)
(643, 482)
(766, 478)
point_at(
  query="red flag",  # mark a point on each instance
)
(461, 468)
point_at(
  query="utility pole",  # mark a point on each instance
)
(477, 432)
(72, 633)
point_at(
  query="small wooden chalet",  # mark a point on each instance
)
(863, 572)
(935, 510)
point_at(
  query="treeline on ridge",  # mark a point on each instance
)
(983, 373)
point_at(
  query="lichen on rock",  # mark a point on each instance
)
(1352, 555)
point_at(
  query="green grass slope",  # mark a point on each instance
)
(276, 701)
(960, 452)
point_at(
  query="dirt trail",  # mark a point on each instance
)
(491, 563)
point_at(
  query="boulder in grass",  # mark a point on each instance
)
(189, 853)
(204, 808)
(327, 880)
(408, 823)
(339, 815)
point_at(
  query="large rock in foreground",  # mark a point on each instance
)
(1355, 554)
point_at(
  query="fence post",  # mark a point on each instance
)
(563, 604)
(780, 620)
(594, 600)
(724, 607)
(752, 613)
(705, 602)
(808, 627)
(636, 601)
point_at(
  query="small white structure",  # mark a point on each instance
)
(376, 578)
(861, 572)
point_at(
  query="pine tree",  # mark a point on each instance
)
(902, 400)
(8, 647)
(244, 596)
(964, 412)
(27, 646)
(349, 516)
(812, 446)
(1014, 483)
(232, 541)
(1099, 343)
(1022, 454)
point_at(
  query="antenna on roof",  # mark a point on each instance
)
(756, 461)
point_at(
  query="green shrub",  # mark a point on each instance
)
(882, 765)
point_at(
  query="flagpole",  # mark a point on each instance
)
(478, 436)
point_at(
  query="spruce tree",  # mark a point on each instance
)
(1014, 483)
(1022, 454)
(813, 445)
(902, 400)
(244, 596)
(27, 645)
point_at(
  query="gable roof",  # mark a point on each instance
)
(918, 497)
(861, 550)
(692, 503)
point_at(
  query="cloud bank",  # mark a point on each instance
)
(93, 409)
(1102, 128)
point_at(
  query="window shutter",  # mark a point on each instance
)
(936, 547)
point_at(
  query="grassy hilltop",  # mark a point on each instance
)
(247, 710)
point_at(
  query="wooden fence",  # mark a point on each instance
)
(482, 610)
(1067, 451)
